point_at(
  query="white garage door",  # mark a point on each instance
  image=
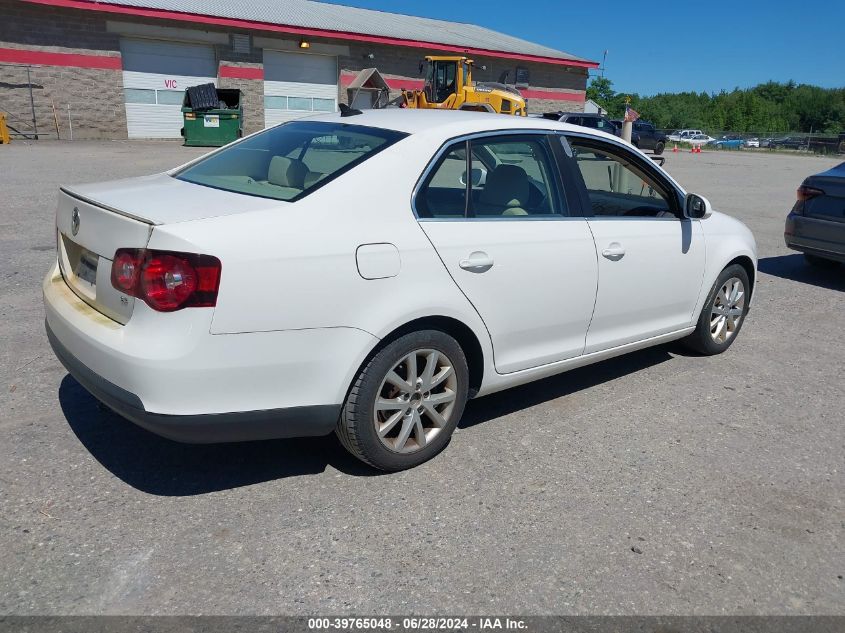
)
(155, 75)
(297, 84)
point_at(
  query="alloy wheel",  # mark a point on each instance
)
(415, 401)
(727, 311)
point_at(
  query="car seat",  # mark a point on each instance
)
(505, 193)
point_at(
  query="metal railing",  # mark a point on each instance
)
(13, 122)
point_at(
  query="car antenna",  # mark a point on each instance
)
(345, 110)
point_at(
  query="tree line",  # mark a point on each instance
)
(769, 108)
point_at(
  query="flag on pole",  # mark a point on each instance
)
(631, 115)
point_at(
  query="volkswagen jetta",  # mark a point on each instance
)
(368, 274)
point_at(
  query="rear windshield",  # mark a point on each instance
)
(290, 161)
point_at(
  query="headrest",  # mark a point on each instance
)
(507, 186)
(287, 172)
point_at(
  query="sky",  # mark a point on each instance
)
(663, 46)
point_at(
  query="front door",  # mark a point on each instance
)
(650, 258)
(500, 222)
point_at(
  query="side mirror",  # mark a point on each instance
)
(479, 177)
(697, 207)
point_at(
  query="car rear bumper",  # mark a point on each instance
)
(814, 236)
(205, 428)
(169, 374)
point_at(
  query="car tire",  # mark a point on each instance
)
(820, 262)
(659, 147)
(723, 313)
(406, 401)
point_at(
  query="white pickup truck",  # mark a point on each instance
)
(684, 135)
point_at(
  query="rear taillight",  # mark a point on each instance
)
(167, 280)
(804, 194)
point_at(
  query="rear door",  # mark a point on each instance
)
(513, 240)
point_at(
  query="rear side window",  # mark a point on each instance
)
(510, 177)
(289, 161)
(605, 126)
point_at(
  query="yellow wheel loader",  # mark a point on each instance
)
(449, 86)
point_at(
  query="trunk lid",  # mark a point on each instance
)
(163, 199)
(94, 220)
(87, 236)
(830, 206)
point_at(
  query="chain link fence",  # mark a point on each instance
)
(795, 141)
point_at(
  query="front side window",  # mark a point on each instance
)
(509, 177)
(289, 161)
(619, 187)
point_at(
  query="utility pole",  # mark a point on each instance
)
(32, 104)
(627, 125)
(603, 63)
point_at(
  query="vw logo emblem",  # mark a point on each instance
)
(74, 221)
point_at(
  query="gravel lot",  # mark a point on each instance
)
(725, 473)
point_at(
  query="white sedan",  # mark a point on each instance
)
(699, 139)
(342, 273)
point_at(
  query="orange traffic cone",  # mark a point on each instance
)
(692, 150)
(675, 149)
(698, 149)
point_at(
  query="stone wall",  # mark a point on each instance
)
(89, 100)
(93, 95)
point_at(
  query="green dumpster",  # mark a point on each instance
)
(213, 127)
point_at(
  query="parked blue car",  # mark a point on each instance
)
(730, 141)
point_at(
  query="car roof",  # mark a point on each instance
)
(448, 123)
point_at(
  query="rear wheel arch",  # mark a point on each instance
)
(458, 330)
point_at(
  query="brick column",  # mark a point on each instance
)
(249, 79)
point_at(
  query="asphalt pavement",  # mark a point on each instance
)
(656, 483)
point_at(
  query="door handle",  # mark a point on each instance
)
(477, 262)
(614, 251)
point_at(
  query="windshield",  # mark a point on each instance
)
(289, 161)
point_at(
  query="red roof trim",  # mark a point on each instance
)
(266, 26)
(44, 58)
(241, 72)
(553, 95)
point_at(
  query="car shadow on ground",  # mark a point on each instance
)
(162, 467)
(795, 268)
(534, 393)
